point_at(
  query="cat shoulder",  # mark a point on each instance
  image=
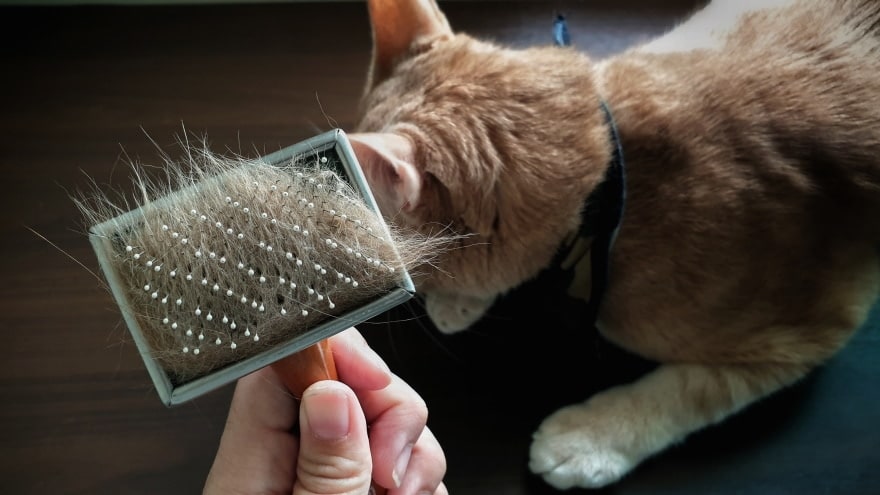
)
(708, 28)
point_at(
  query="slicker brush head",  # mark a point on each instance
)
(227, 264)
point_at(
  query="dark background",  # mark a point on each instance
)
(84, 87)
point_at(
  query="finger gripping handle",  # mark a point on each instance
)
(312, 364)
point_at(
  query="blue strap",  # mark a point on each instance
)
(609, 199)
(604, 207)
(560, 31)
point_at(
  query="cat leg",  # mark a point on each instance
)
(596, 442)
(455, 312)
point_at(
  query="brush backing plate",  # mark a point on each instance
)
(334, 146)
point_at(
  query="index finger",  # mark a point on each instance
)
(357, 364)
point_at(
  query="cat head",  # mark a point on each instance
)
(497, 145)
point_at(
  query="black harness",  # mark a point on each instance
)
(603, 210)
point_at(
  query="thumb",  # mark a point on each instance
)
(334, 453)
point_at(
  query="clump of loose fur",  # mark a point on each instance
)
(228, 256)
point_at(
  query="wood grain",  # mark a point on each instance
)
(85, 88)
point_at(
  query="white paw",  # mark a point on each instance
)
(570, 449)
(453, 312)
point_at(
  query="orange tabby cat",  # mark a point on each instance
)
(746, 255)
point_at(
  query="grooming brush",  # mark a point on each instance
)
(230, 265)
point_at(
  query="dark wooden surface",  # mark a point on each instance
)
(82, 87)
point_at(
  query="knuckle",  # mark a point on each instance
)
(333, 474)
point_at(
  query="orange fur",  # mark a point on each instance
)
(747, 254)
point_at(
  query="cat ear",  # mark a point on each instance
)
(388, 162)
(398, 27)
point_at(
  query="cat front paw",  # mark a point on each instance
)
(568, 451)
(454, 312)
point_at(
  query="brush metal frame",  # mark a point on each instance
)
(101, 239)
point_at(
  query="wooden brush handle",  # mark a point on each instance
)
(312, 364)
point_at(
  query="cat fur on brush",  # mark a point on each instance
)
(746, 255)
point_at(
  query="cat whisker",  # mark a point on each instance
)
(330, 120)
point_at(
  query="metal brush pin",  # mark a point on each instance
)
(230, 265)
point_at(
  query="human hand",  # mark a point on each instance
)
(333, 454)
